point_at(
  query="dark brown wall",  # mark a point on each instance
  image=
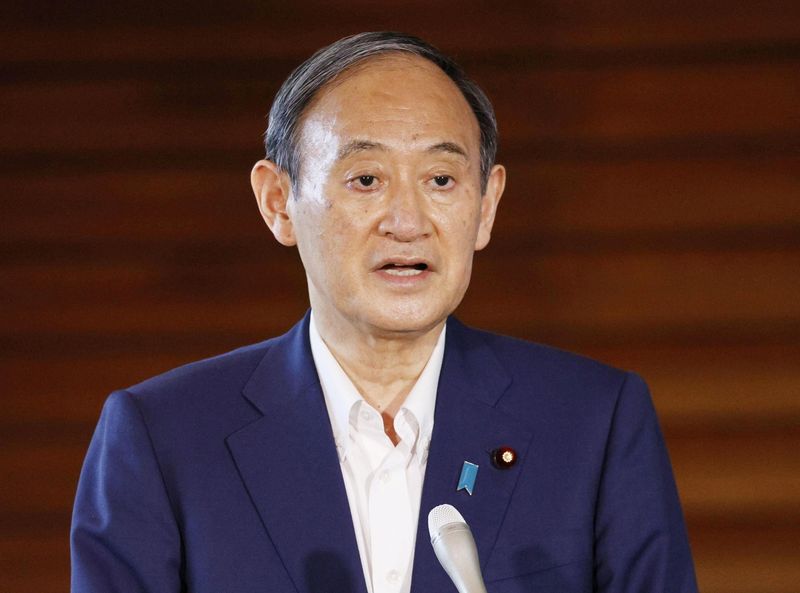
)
(652, 220)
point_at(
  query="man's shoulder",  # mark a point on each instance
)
(543, 373)
(520, 355)
(233, 366)
(218, 385)
(203, 385)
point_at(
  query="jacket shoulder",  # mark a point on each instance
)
(197, 402)
(523, 356)
(230, 369)
(542, 375)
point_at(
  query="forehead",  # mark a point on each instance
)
(393, 98)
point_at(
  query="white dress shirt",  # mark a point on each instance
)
(383, 481)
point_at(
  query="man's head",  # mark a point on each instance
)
(390, 199)
(306, 81)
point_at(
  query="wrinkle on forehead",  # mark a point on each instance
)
(403, 103)
(389, 61)
(392, 90)
(318, 136)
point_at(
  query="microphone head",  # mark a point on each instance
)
(454, 546)
(444, 514)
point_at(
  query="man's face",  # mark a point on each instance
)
(388, 209)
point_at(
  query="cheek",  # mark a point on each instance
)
(327, 240)
(461, 228)
(459, 239)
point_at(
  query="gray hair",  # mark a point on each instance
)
(282, 136)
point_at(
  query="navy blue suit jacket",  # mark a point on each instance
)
(222, 477)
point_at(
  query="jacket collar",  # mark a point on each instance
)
(288, 461)
(468, 426)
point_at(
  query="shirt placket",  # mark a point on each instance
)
(391, 518)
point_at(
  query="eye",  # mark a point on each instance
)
(442, 181)
(364, 183)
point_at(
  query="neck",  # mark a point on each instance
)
(382, 366)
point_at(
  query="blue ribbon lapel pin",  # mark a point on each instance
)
(469, 472)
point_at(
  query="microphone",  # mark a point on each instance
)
(454, 546)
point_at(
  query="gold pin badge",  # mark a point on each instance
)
(504, 457)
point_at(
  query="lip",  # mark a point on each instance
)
(404, 261)
(398, 278)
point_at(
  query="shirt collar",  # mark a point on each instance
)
(341, 396)
(421, 400)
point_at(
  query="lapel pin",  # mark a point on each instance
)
(467, 480)
(504, 457)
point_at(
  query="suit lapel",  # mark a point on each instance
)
(467, 427)
(288, 462)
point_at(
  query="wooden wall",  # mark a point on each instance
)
(652, 220)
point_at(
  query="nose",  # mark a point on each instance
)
(405, 217)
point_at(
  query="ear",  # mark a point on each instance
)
(272, 188)
(491, 198)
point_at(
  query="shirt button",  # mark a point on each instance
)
(393, 576)
(384, 477)
(365, 415)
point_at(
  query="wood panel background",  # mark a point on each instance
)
(652, 220)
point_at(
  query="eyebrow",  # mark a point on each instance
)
(358, 146)
(450, 147)
(355, 146)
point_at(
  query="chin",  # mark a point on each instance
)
(405, 319)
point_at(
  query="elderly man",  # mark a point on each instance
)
(308, 462)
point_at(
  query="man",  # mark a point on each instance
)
(310, 462)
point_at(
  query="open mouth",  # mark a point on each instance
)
(404, 270)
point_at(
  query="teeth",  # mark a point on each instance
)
(403, 271)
